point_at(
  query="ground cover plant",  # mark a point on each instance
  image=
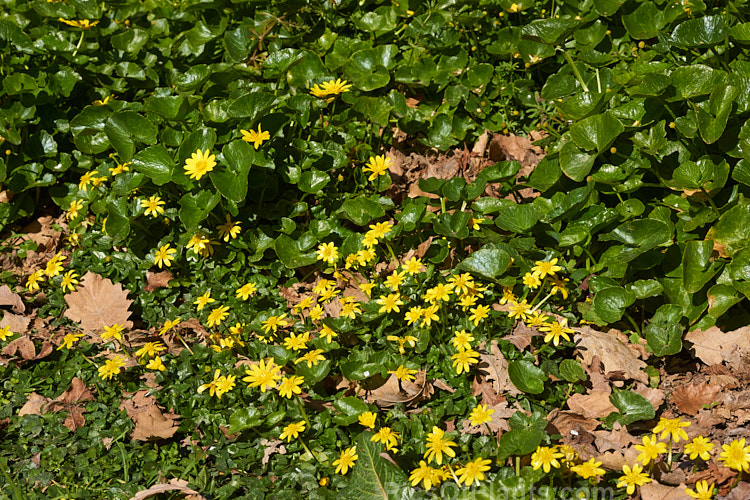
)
(374, 249)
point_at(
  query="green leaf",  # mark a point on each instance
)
(125, 127)
(487, 262)
(643, 289)
(356, 370)
(350, 408)
(695, 80)
(455, 225)
(313, 180)
(712, 119)
(730, 231)
(316, 373)
(194, 208)
(664, 332)
(596, 132)
(519, 442)
(231, 181)
(118, 219)
(526, 376)
(361, 210)
(192, 78)
(288, 251)
(170, 107)
(645, 22)
(245, 418)
(13, 33)
(632, 406)
(156, 163)
(610, 303)
(374, 477)
(697, 268)
(704, 31)
(644, 234)
(721, 298)
(518, 218)
(575, 163)
(366, 69)
(550, 31)
(741, 172)
(253, 105)
(572, 371)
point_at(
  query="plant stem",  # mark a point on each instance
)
(80, 41)
(575, 71)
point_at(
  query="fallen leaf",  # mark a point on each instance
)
(173, 485)
(521, 335)
(615, 355)
(439, 384)
(271, 447)
(568, 422)
(15, 322)
(614, 460)
(76, 392)
(150, 422)
(157, 280)
(41, 232)
(691, 398)
(596, 405)
(654, 396)
(493, 367)
(22, 346)
(657, 491)
(739, 492)
(98, 303)
(34, 405)
(390, 393)
(712, 346)
(8, 298)
(617, 439)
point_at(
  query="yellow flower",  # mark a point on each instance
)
(462, 340)
(84, 24)
(32, 282)
(85, 180)
(508, 296)
(461, 283)
(413, 266)
(75, 206)
(479, 313)
(69, 281)
(480, 415)
(203, 300)
(273, 323)
(555, 331)
(256, 137)
(201, 244)
(119, 168)
(224, 384)
(633, 478)
(316, 313)
(329, 88)
(153, 206)
(229, 229)
(168, 325)
(163, 256)
(112, 367)
(53, 267)
(367, 419)
(311, 358)
(218, 314)
(328, 333)
(381, 229)
(519, 310)
(558, 285)
(429, 476)
(542, 269)
(650, 449)
(346, 460)
(531, 281)
(735, 455)
(407, 339)
(264, 375)
(369, 240)
(429, 314)
(388, 437)
(673, 427)
(588, 469)
(350, 310)
(569, 454)
(545, 458)
(699, 447)
(463, 359)
(328, 252)
(67, 342)
(514, 8)
(114, 331)
(441, 291)
(292, 430)
(290, 386)
(536, 319)
(156, 364)
(702, 491)
(246, 291)
(413, 314)
(394, 280)
(199, 164)
(403, 373)
(150, 349)
(473, 471)
(377, 165)
(390, 303)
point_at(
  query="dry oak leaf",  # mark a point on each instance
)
(594, 405)
(657, 491)
(15, 322)
(521, 335)
(691, 398)
(617, 439)
(568, 422)
(22, 346)
(390, 393)
(271, 447)
(713, 346)
(614, 460)
(98, 303)
(493, 367)
(34, 405)
(150, 422)
(615, 355)
(157, 280)
(173, 485)
(8, 298)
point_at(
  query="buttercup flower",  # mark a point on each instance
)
(156, 364)
(346, 460)
(292, 430)
(479, 313)
(168, 325)
(388, 437)
(699, 447)
(203, 300)
(403, 373)
(229, 229)
(632, 478)
(290, 386)
(163, 256)
(246, 290)
(84, 24)
(545, 458)
(217, 315)
(480, 415)
(542, 269)
(463, 359)
(473, 471)
(462, 340)
(673, 427)
(650, 449)
(429, 476)
(255, 137)
(69, 281)
(199, 164)
(735, 455)
(264, 375)
(437, 445)
(32, 282)
(150, 349)
(111, 367)
(114, 331)
(153, 206)
(328, 252)
(311, 358)
(377, 165)
(367, 419)
(330, 88)
(273, 323)
(67, 342)
(590, 468)
(555, 331)
(702, 491)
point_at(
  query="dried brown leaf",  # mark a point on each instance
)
(390, 393)
(271, 447)
(173, 485)
(34, 405)
(657, 491)
(157, 280)
(150, 422)
(712, 346)
(615, 355)
(8, 298)
(22, 346)
(691, 398)
(15, 322)
(493, 367)
(98, 303)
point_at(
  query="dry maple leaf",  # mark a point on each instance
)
(616, 356)
(521, 335)
(98, 303)
(713, 346)
(150, 422)
(22, 346)
(157, 280)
